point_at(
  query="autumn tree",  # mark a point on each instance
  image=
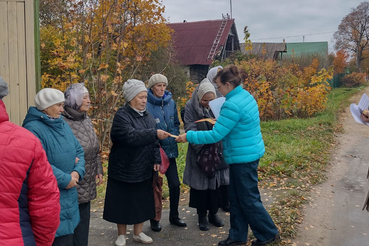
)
(340, 61)
(353, 33)
(248, 44)
(101, 43)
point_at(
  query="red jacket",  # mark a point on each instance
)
(29, 195)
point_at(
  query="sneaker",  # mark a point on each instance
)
(121, 240)
(142, 238)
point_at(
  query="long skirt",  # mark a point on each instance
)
(129, 203)
(210, 200)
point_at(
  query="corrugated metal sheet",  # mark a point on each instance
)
(298, 49)
(193, 40)
(269, 49)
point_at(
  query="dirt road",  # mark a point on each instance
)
(334, 215)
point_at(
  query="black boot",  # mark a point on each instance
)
(203, 223)
(215, 220)
(155, 225)
(230, 242)
(177, 221)
(274, 239)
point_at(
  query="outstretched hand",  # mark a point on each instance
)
(162, 134)
(182, 138)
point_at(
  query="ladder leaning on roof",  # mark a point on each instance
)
(214, 47)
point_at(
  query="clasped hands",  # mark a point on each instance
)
(73, 181)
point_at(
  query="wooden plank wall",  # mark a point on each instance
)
(17, 56)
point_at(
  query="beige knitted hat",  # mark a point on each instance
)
(157, 78)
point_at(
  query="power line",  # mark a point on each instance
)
(302, 35)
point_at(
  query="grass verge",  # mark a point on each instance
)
(297, 154)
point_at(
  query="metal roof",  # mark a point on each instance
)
(266, 50)
(194, 40)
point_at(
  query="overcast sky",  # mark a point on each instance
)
(269, 20)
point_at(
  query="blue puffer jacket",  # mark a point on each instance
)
(238, 125)
(165, 113)
(62, 148)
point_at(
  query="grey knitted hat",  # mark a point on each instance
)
(48, 97)
(3, 88)
(131, 88)
(205, 87)
(157, 78)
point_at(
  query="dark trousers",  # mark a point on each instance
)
(174, 190)
(66, 240)
(246, 207)
(80, 237)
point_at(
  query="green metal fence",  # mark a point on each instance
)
(336, 80)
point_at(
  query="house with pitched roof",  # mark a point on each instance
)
(197, 44)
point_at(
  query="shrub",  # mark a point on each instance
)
(286, 91)
(353, 80)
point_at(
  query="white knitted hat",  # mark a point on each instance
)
(157, 78)
(205, 87)
(48, 97)
(131, 88)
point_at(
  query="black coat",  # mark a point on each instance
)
(135, 146)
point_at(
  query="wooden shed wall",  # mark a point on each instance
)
(17, 56)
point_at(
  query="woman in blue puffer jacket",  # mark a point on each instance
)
(64, 153)
(238, 126)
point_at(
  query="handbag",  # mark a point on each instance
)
(164, 161)
(209, 160)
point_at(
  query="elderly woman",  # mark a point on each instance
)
(238, 125)
(163, 108)
(134, 157)
(64, 153)
(207, 193)
(211, 75)
(77, 102)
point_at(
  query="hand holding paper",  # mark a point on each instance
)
(216, 105)
(357, 110)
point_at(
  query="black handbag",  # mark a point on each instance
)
(209, 160)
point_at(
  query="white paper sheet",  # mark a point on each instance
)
(216, 105)
(356, 110)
